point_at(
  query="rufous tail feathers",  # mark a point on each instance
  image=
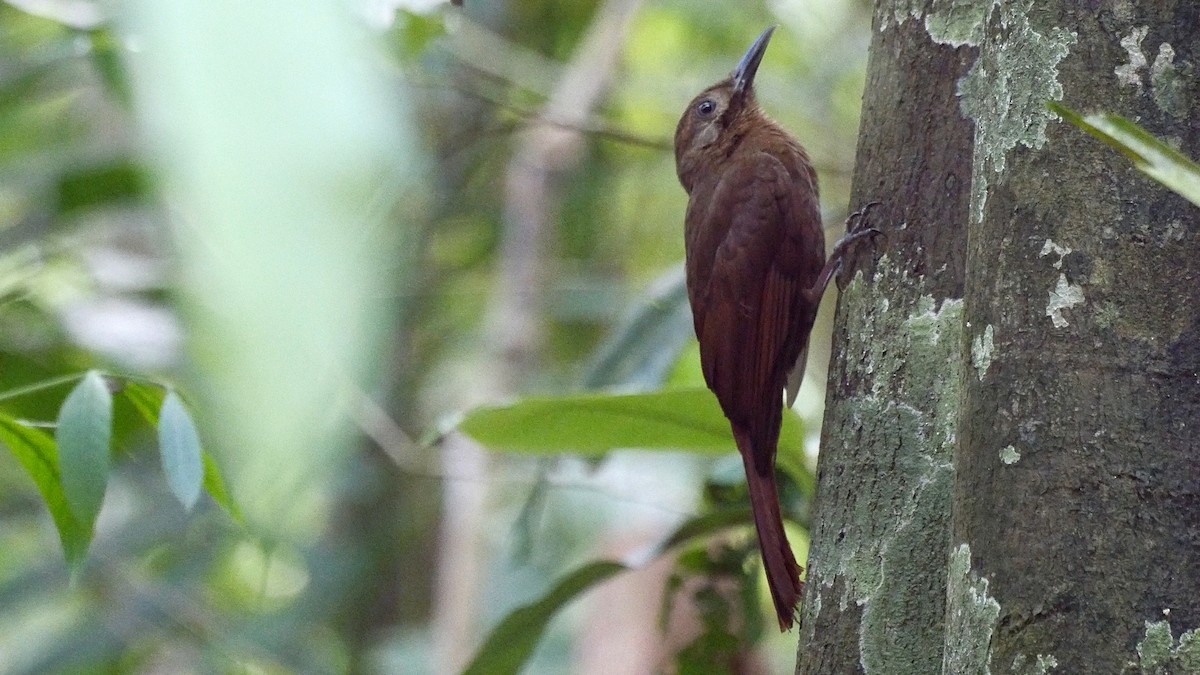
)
(783, 573)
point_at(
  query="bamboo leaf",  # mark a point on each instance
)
(84, 436)
(214, 485)
(146, 398)
(34, 449)
(179, 446)
(149, 399)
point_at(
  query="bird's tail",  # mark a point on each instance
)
(783, 573)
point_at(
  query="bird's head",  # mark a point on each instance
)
(704, 127)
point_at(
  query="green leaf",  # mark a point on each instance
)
(84, 437)
(514, 639)
(35, 450)
(1151, 156)
(214, 485)
(149, 399)
(594, 424)
(108, 55)
(41, 386)
(179, 445)
(417, 33)
(113, 183)
(708, 523)
(790, 460)
(646, 344)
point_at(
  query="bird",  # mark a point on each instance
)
(755, 273)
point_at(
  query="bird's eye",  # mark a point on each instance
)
(706, 107)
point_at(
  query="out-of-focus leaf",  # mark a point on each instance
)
(179, 445)
(17, 90)
(417, 31)
(640, 353)
(708, 523)
(711, 651)
(100, 185)
(725, 488)
(35, 116)
(514, 639)
(106, 54)
(149, 399)
(1151, 156)
(35, 450)
(594, 424)
(686, 372)
(790, 460)
(84, 436)
(214, 485)
(647, 343)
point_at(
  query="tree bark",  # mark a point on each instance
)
(1010, 471)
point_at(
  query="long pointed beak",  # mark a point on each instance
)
(743, 75)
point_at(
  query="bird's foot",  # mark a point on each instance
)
(858, 226)
(860, 217)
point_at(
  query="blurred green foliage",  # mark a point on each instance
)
(91, 281)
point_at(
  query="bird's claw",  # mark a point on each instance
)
(857, 228)
(861, 217)
(858, 225)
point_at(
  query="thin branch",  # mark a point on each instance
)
(586, 127)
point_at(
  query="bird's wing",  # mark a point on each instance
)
(755, 319)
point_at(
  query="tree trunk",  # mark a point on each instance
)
(1010, 471)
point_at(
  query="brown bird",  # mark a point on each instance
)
(756, 271)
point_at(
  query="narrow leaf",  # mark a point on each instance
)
(644, 347)
(91, 187)
(214, 484)
(512, 642)
(1151, 156)
(84, 435)
(148, 399)
(706, 524)
(594, 424)
(179, 445)
(34, 449)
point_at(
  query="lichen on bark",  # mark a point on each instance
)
(970, 618)
(982, 347)
(909, 402)
(1006, 91)
(1160, 652)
